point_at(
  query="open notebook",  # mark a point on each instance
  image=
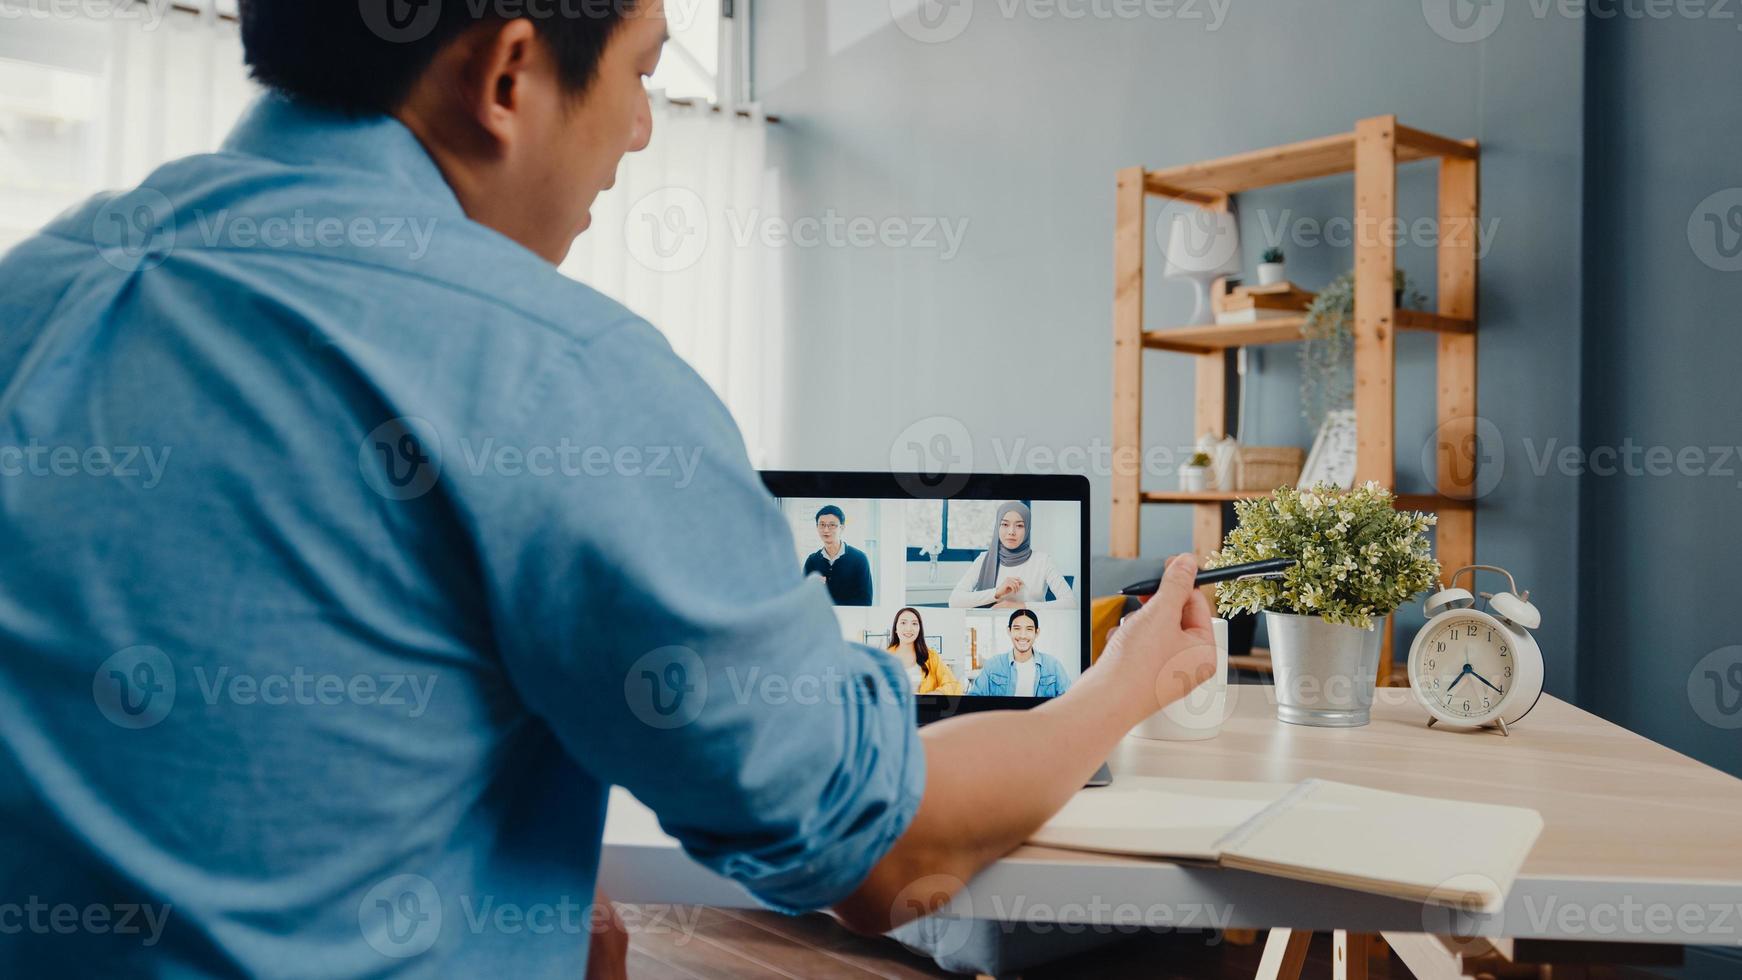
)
(1413, 847)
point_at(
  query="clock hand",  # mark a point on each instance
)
(1485, 681)
(1461, 675)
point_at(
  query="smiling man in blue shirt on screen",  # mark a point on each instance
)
(338, 683)
(1024, 672)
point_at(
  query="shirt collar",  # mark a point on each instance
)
(294, 132)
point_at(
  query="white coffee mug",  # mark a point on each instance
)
(1198, 715)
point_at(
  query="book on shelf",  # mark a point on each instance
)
(1251, 304)
(1229, 317)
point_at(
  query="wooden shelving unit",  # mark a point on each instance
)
(1372, 152)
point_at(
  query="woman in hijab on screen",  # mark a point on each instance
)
(1011, 574)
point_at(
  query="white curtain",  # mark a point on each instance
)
(100, 99)
(680, 240)
(95, 102)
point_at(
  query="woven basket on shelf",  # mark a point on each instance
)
(1268, 467)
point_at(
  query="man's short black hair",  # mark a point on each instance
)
(363, 56)
(1023, 612)
(830, 509)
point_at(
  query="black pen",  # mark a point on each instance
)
(1271, 570)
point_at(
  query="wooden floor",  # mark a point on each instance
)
(736, 944)
(695, 942)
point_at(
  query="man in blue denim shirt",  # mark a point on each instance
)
(1024, 672)
(352, 554)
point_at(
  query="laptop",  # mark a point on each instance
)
(978, 583)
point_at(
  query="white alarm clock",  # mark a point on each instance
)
(1476, 668)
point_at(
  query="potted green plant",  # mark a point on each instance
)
(1327, 359)
(1358, 560)
(1271, 268)
(1194, 475)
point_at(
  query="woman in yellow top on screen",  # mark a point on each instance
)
(1012, 575)
(926, 671)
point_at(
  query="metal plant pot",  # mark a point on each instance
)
(1324, 671)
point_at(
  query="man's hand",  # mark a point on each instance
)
(608, 954)
(1169, 643)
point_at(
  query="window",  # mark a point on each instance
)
(97, 95)
(49, 145)
(963, 527)
(690, 66)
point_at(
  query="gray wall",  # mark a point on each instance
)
(1663, 354)
(1018, 125)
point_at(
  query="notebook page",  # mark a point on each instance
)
(1157, 817)
(1420, 848)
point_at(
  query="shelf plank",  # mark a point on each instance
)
(1305, 160)
(1431, 502)
(1434, 503)
(1434, 322)
(1429, 144)
(1208, 338)
(1213, 337)
(1201, 496)
(1212, 180)
(1258, 661)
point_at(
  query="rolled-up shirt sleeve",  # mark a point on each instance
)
(651, 611)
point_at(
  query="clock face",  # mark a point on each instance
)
(1464, 665)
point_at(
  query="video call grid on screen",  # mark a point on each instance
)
(904, 543)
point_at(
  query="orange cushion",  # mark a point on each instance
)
(1104, 614)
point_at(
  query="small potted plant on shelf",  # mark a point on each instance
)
(1271, 269)
(1359, 559)
(1194, 475)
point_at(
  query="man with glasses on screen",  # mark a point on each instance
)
(204, 695)
(844, 567)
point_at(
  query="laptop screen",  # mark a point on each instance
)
(978, 590)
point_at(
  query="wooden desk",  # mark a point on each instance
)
(1640, 844)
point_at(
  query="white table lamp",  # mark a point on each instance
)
(1203, 246)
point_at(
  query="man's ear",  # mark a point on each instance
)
(502, 62)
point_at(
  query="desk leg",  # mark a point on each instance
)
(1285, 952)
(1349, 951)
(1426, 956)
